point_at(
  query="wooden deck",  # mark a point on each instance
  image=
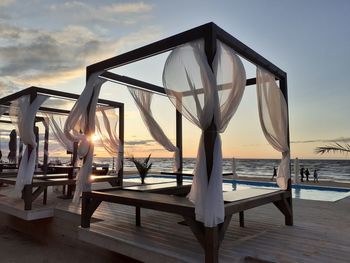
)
(14, 206)
(321, 234)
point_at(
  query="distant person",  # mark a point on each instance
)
(302, 174)
(307, 173)
(274, 173)
(315, 176)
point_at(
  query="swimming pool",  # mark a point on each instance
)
(307, 192)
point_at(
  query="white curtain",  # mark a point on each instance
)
(23, 113)
(143, 101)
(56, 128)
(204, 95)
(107, 131)
(273, 113)
(80, 126)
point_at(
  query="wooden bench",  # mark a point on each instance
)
(32, 191)
(162, 188)
(209, 238)
(40, 183)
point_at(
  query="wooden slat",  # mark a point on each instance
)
(313, 238)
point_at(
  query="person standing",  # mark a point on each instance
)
(274, 173)
(307, 173)
(315, 176)
(302, 174)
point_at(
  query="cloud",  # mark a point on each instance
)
(5, 3)
(138, 7)
(139, 142)
(119, 13)
(341, 139)
(7, 87)
(41, 57)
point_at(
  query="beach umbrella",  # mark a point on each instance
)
(296, 170)
(12, 147)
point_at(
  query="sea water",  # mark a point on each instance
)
(334, 170)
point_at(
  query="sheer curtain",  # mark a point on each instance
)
(143, 101)
(107, 130)
(204, 95)
(80, 126)
(56, 127)
(23, 113)
(273, 114)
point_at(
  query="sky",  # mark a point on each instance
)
(50, 43)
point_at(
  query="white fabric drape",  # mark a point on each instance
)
(204, 95)
(107, 131)
(143, 101)
(273, 114)
(23, 113)
(80, 126)
(56, 128)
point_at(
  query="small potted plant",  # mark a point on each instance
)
(142, 167)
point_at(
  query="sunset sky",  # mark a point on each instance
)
(49, 44)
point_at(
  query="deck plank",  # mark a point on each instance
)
(321, 232)
(265, 235)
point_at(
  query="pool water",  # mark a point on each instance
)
(307, 192)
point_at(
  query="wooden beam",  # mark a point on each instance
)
(152, 49)
(174, 41)
(53, 93)
(125, 80)
(132, 82)
(248, 53)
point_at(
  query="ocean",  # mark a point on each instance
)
(334, 170)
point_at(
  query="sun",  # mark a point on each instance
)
(94, 138)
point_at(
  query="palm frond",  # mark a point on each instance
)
(336, 147)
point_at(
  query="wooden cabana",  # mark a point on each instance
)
(209, 235)
(66, 177)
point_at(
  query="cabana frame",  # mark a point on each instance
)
(210, 238)
(40, 184)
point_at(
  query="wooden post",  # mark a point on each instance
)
(27, 196)
(20, 151)
(284, 90)
(32, 98)
(85, 218)
(179, 177)
(46, 147)
(121, 140)
(211, 244)
(36, 132)
(211, 132)
(138, 215)
(241, 218)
